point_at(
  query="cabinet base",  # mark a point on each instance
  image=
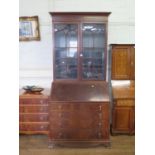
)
(78, 144)
(118, 132)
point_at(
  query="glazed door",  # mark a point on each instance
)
(66, 51)
(80, 51)
(92, 53)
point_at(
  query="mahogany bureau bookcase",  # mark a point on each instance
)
(79, 99)
(33, 113)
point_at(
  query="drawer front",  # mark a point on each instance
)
(33, 127)
(75, 114)
(76, 123)
(33, 109)
(33, 101)
(127, 102)
(77, 134)
(77, 106)
(33, 117)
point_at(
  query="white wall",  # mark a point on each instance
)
(35, 58)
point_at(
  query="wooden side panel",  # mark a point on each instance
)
(120, 63)
(132, 63)
(132, 119)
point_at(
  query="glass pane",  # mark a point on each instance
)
(87, 39)
(65, 53)
(60, 68)
(60, 72)
(63, 73)
(93, 52)
(93, 68)
(72, 36)
(66, 68)
(93, 35)
(65, 35)
(72, 52)
(60, 53)
(59, 35)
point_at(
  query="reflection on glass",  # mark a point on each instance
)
(93, 69)
(65, 35)
(60, 52)
(93, 35)
(66, 52)
(93, 51)
(63, 73)
(66, 68)
(92, 74)
(72, 52)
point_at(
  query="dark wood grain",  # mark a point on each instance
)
(79, 114)
(88, 91)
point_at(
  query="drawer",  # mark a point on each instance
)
(33, 117)
(33, 109)
(33, 101)
(33, 126)
(76, 123)
(77, 134)
(75, 114)
(126, 102)
(77, 106)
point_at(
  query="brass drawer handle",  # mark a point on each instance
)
(60, 115)
(100, 115)
(60, 124)
(99, 123)
(41, 127)
(60, 135)
(41, 101)
(41, 118)
(59, 106)
(100, 107)
(99, 135)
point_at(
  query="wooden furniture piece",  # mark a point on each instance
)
(122, 71)
(79, 106)
(123, 62)
(124, 107)
(80, 45)
(33, 113)
(79, 114)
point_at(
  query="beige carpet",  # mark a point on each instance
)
(38, 145)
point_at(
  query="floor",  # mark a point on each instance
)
(38, 145)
